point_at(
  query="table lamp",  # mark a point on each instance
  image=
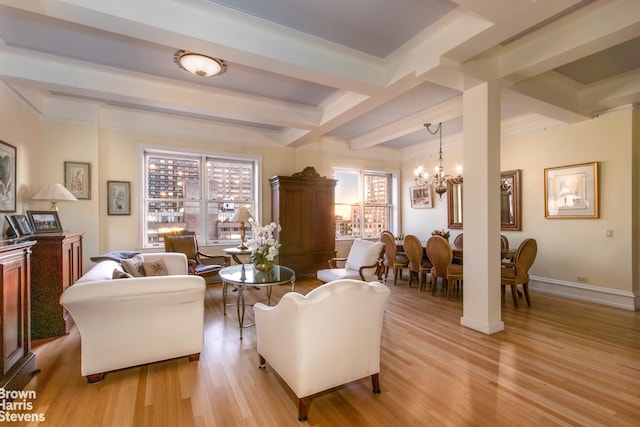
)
(55, 193)
(241, 215)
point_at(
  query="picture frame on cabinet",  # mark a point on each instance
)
(118, 198)
(77, 179)
(7, 177)
(19, 225)
(45, 221)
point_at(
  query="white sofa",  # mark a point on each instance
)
(133, 321)
(327, 338)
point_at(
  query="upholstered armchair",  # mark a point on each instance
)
(365, 262)
(200, 264)
(325, 339)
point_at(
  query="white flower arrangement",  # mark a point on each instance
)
(264, 248)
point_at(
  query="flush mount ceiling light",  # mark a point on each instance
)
(198, 64)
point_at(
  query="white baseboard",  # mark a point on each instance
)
(583, 292)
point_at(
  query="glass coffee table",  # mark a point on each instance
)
(243, 275)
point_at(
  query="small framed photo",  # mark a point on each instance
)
(7, 177)
(77, 179)
(20, 225)
(571, 191)
(45, 221)
(421, 197)
(118, 198)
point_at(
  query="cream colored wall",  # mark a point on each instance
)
(567, 248)
(20, 128)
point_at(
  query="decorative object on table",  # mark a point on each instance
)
(439, 179)
(77, 179)
(7, 177)
(421, 197)
(54, 193)
(571, 191)
(242, 215)
(45, 221)
(118, 198)
(264, 247)
(20, 225)
(441, 233)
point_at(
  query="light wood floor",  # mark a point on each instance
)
(559, 362)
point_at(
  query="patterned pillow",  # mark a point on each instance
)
(114, 256)
(119, 274)
(155, 268)
(133, 266)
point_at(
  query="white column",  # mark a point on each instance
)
(481, 208)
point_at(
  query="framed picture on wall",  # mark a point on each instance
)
(45, 221)
(571, 191)
(118, 198)
(7, 177)
(77, 179)
(421, 197)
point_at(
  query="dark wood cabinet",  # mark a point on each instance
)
(303, 206)
(18, 362)
(56, 263)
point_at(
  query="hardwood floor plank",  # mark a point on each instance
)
(557, 363)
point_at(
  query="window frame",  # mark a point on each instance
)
(172, 151)
(394, 185)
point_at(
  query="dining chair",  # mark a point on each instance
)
(419, 265)
(517, 272)
(441, 256)
(392, 258)
(458, 242)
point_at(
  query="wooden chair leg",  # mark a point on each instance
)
(263, 363)
(525, 289)
(395, 276)
(514, 294)
(194, 357)
(95, 378)
(375, 382)
(434, 281)
(303, 407)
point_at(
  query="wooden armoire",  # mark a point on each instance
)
(303, 206)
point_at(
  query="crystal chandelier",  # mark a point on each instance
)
(439, 179)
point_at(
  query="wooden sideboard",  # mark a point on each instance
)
(303, 206)
(56, 263)
(18, 362)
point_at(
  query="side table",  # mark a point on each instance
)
(234, 252)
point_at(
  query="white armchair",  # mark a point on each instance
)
(325, 339)
(365, 262)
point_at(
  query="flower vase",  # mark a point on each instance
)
(265, 266)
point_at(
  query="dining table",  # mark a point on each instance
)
(458, 250)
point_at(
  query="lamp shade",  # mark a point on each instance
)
(242, 214)
(54, 193)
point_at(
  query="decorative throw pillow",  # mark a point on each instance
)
(119, 274)
(133, 266)
(155, 268)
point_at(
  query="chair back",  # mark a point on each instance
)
(390, 250)
(504, 242)
(182, 241)
(458, 240)
(413, 249)
(440, 255)
(524, 258)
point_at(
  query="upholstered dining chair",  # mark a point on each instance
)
(326, 338)
(364, 262)
(419, 264)
(517, 272)
(441, 256)
(200, 264)
(397, 261)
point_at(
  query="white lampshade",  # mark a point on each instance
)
(54, 193)
(242, 214)
(199, 65)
